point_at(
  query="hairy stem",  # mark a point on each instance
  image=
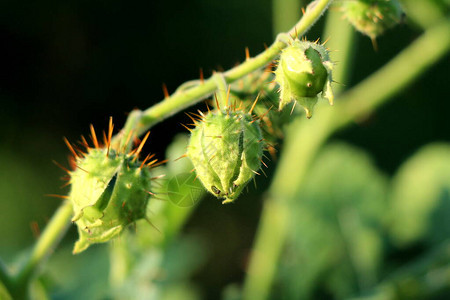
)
(221, 95)
(190, 96)
(305, 138)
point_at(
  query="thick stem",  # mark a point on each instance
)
(305, 138)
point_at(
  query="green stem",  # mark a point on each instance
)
(302, 142)
(425, 13)
(48, 240)
(304, 139)
(221, 94)
(190, 96)
(126, 141)
(340, 37)
(396, 75)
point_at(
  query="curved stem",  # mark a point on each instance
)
(50, 237)
(305, 138)
(124, 137)
(188, 97)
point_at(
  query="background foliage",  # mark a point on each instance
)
(372, 216)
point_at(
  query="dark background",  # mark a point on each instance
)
(66, 64)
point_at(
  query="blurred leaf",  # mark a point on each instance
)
(420, 200)
(335, 237)
(156, 272)
(78, 276)
(180, 291)
(4, 292)
(427, 277)
(22, 185)
(232, 292)
(170, 208)
(154, 262)
(38, 291)
(176, 150)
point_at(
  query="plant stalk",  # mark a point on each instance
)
(50, 237)
(190, 96)
(305, 138)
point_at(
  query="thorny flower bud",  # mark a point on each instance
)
(109, 190)
(372, 17)
(304, 75)
(226, 150)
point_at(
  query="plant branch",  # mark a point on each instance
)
(50, 237)
(304, 139)
(400, 72)
(184, 98)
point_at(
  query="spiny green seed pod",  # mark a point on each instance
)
(226, 150)
(372, 17)
(109, 190)
(304, 75)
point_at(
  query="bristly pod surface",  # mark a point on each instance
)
(304, 75)
(226, 149)
(372, 17)
(110, 190)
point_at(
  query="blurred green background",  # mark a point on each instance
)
(66, 64)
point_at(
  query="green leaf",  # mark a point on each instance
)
(420, 200)
(335, 236)
(4, 292)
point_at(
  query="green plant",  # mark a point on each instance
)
(111, 188)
